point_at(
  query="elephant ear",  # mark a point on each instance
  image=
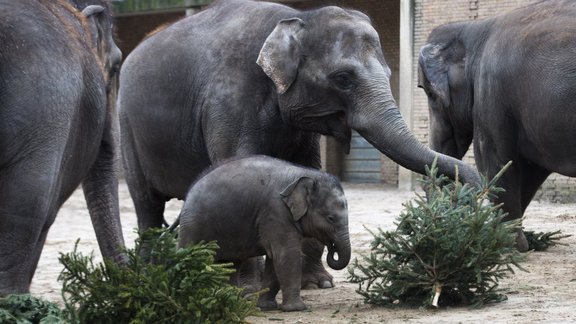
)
(102, 38)
(295, 196)
(433, 73)
(280, 54)
(96, 16)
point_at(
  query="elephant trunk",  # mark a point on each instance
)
(342, 248)
(379, 121)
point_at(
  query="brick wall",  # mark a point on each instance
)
(431, 13)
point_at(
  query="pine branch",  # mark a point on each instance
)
(450, 247)
(181, 286)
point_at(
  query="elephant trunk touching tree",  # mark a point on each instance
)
(251, 77)
(398, 142)
(508, 84)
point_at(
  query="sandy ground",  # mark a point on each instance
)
(547, 293)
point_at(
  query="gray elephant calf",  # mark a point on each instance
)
(264, 206)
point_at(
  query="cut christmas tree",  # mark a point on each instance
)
(450, 248)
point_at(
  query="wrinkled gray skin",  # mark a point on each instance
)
(245, 78)
(509, 84)
(265, 206)
(56, 129)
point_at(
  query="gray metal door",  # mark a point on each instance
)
(363, 163)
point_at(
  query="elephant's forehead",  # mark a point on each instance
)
(352, 28)
(337, 198)
(336, 17)
(344, 40)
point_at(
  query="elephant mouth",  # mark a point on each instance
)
(326, 122)
(338, 128)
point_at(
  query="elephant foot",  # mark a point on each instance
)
(315, 276)
(521, 241)
(293, 306)
(267, 304)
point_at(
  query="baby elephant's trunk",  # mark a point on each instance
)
(342, 248)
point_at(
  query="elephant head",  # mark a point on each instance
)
(319, 206)
(443, 75)
(330, 76)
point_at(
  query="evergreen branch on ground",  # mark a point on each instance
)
(541, 241)
(27, 309)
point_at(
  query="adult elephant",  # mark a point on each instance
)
(56, 128)
(247, 77)
(509, 84)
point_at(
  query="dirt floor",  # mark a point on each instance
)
(547, 293)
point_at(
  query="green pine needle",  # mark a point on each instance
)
(542, 241)
(180, 286)
(452, 239)
(27, 309)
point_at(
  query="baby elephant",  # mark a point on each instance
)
(264, 206)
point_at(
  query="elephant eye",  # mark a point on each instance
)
(330, 219)
(343, 80)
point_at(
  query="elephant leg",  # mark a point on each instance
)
(532, 178)
(267, 300)
(492, 150)
(27, 210)
(511, 198)
(314, 275)
(521, 182)
(17, 252)
(149, 208)
(249, 274)
(285, 260)
(150, 213)
(101, 193)
(36, 252)
(235, 278)
(149, 205)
